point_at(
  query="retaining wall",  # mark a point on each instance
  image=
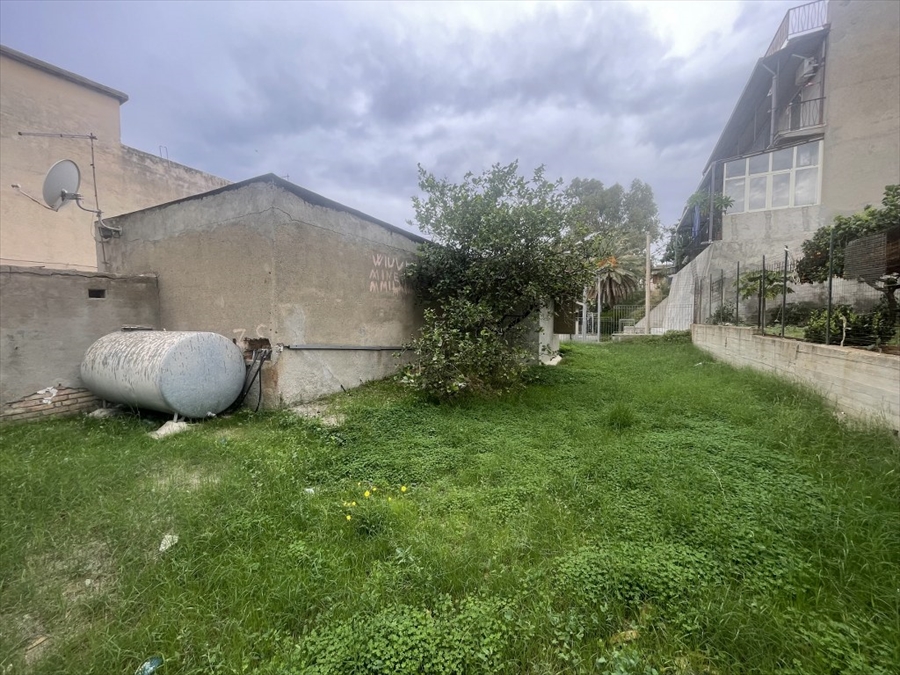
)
(862, 384)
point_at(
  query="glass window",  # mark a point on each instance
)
(781, 190)
(759, 164)
(808, 155)
(805, 184)
(734, 188)
(758, 193)
(774, 180)
(735, 168)
(783, 159)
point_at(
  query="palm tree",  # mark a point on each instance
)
(616, 280)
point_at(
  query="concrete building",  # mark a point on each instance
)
(272, 265)
(815, 134)
(37, 97)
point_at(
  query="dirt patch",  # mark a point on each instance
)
(320, 412)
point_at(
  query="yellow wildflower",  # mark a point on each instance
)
(402, 488)
(352, 503)
(390, 499)
(374, 488)
(349, 517)
(367, 494)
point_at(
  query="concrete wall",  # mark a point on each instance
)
(256, 261)
(49, 321)
(34, 100)
(859, 383)
(862, 108)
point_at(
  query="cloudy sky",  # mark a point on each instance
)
(347, 98)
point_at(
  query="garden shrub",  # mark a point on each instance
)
(795, 313)
(862, 329)
(723, 314)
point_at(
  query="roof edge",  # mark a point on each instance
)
(308, 196)
(21, 57)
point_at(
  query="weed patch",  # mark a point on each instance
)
(626, 512)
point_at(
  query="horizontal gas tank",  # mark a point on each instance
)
(186, 373)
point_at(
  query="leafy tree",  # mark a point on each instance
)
(622, 217)
(749, 283)
(502, 246)
(721, 203)
(813, 267)
(678, 242)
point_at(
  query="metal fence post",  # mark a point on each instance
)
(584, 316)
(737, 295)
(784, 290)
(762, 297)
(700, 303)
(830, 276)
(722, 287)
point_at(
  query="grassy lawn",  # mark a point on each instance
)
(631, 512)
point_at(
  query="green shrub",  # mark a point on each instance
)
(723, 314)
(795, 313)
(862, 329)
(464, 350)
(677, 336)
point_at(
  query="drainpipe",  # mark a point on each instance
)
(774, 104)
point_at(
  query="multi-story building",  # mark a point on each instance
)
(48, 114)
(815, 134)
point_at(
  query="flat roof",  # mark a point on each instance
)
(64, 74)
(308, 196)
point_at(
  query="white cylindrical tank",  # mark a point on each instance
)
(182, 372)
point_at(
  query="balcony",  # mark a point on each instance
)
(799, 21)
(800, 116)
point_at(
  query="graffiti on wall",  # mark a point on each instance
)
(385, 274)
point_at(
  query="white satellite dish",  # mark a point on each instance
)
(61, 184)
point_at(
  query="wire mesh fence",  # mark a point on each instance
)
(768, 294)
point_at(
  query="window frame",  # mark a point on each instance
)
(769, 176)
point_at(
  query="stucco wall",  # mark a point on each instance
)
(859, 383)
(49, 321)
(257, 261)
(862, 106)
(32, 100)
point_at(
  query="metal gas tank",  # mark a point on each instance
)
(182, 372)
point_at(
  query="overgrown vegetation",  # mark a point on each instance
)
(637, 509)
(503, 246)
(850, 328)
(813, 267)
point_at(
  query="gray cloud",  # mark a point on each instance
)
(348, 98)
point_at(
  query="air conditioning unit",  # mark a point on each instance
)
(806, 71)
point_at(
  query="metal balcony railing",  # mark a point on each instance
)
(803, 19)
(802, 115)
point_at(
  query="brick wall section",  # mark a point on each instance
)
(863, 384)
(45, 404)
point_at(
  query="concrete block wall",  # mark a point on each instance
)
(862, 384)
(50, 318)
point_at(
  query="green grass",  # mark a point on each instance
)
(631, 511)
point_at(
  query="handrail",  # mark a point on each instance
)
(802, 19)
(802, 115)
